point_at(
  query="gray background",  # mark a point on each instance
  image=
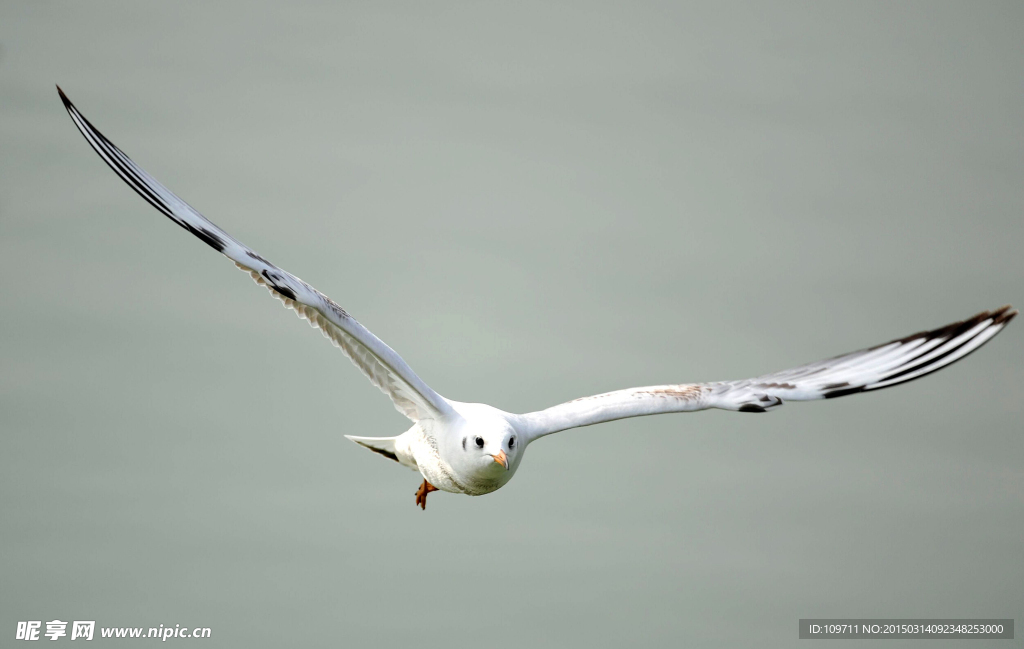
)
(531, 203)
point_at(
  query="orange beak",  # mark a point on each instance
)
(501, 459)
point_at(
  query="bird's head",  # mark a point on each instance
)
(485, 447)
(490, 451)
(482, 446)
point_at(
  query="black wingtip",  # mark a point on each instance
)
(1003, 314)
(996, 318)
(999, 316)
(63, 97)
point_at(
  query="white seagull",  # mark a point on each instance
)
(473, 448)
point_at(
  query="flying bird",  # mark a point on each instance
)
(475, 449)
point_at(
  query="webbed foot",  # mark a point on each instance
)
(421, 494)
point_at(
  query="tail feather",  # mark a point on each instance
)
(382, 445)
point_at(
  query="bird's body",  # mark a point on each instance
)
(475, 449)
(435, 448)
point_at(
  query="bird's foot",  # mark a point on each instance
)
(421, 494)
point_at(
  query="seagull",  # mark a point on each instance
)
(474, 448)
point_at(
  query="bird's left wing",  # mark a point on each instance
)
(385, 368)
(882, 366)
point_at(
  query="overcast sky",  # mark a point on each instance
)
(530, 202)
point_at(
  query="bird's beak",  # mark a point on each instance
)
(501, 459)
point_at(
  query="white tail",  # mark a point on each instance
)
(383, 445)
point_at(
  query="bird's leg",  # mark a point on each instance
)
(421, 494)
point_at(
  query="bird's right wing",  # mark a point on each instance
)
(882, 366)
(385, 368)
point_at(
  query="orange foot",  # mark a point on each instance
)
(421, 494)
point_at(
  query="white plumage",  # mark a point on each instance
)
(474, 448)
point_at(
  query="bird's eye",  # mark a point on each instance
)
(479, 442)
(512, 443)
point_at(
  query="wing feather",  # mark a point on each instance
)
(874, 368)
(385, 368)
